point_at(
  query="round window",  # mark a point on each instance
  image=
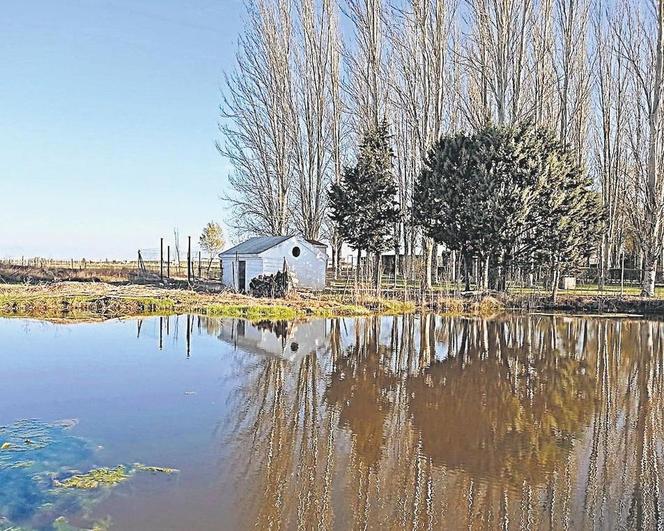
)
(296, 252)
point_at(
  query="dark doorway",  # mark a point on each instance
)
(242, 276)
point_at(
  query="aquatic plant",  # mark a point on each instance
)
(41, 478)
(97, 477)
(155, 469)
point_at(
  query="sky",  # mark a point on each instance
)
(108, 123)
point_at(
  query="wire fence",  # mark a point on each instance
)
(200, 265)
(167, 262)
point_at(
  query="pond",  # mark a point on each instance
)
(519, 421)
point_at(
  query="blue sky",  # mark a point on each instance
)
(108, 118)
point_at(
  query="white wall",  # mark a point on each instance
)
(301, 338)
(308, 268)
(230, 266)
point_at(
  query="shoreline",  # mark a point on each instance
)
(86, 300)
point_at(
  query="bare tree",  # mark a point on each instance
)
(421, 88)
(312, 116)
(640, 35)
(256, 120)
(572, 73)
(335, 95)
(366, 86)
(610, 85)
(496, 61)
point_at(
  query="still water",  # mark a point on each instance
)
(517, 422)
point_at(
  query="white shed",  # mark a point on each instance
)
(286, 340)
(265, 255)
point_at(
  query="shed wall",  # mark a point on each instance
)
(230, 266)
(308, 268)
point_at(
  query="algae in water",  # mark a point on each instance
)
(155, 469)
(97, 477)
(41, 479)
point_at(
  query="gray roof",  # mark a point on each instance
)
(256, 245)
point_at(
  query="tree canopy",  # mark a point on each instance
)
(506, 194)
(363, 204)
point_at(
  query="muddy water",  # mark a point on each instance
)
(387, 423)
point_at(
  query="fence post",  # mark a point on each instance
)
(161, 259)
(189, 259)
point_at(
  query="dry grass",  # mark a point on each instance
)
(94, 300)
(98, 300)
(112, 273)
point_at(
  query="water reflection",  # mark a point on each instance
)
(409, 422)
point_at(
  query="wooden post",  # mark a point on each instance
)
(188, 334)
(622, 273)
(161, 259)
(199, 264)
(189, 259)
(168, 261)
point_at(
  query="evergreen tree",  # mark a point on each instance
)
(363, 204)
(506, 193)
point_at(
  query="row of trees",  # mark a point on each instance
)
(502, 196)
(307, 87)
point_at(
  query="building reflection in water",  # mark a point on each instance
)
(442, 422)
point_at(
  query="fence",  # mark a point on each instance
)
(171, 262)
(410, 285)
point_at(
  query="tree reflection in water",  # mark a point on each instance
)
(440, 422)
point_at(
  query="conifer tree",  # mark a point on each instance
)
(505, 194)
(363, 204)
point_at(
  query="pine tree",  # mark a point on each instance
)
(505, 194)
(363, 204)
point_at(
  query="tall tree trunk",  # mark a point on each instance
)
(428, 249)
(378, 273)
(555, 279)
(467, 267)
(649, 275)
(484, 263)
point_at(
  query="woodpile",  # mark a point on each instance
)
(273, 286)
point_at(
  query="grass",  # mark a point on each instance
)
(98, 300)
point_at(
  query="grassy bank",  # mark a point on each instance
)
(85, 300)
(99, 300)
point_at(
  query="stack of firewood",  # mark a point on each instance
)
(274, 286)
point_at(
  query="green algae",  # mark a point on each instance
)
(108, 477)
(62, 524)
(155, 469)
(97, 477)
(48, 474)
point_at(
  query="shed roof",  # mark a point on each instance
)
(316, 243)
(256, 245)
